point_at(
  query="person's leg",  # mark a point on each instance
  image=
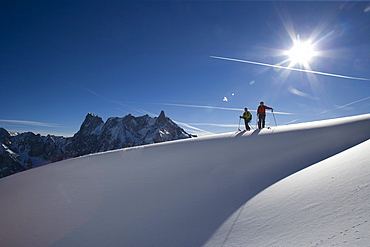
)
(259, 121)
(246, 125)
(263, 121)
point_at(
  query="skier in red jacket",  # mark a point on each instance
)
(261, 113)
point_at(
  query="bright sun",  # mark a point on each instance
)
(301, 53)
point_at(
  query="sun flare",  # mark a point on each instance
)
(301, 52)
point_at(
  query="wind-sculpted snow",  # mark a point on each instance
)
(178, 193)
(327, 204)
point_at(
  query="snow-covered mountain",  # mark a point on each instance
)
(297, 185)
(23, 151)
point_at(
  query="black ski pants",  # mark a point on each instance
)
(246, 124)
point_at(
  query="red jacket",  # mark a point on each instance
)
(262, 109)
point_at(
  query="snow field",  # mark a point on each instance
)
(221, 190)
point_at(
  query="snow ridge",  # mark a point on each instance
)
(220, 190)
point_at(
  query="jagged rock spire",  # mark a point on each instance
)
(161, 118)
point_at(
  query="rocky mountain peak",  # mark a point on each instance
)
(90, 124)
(27, 150)
(161, 118)
(4, 133)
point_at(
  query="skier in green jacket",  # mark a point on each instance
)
(247, 116)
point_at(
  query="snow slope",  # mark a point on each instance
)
(327, 204)
(303, 184)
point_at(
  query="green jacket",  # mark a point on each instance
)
(247, 116)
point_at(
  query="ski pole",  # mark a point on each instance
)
(274, 117)
(239, 123)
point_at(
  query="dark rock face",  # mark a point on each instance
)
(90, 124)
(11, 162)
(4, 133)
(27, 150)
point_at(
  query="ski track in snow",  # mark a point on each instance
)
(256, 188)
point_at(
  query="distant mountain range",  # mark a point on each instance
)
(22, 151)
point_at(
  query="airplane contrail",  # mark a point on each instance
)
(219, 108)
(295, 69)
(354, 102)
(205, 106)
(198, 131)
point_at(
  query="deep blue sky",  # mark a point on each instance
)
(63, 59)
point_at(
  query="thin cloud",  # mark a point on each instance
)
(204, 106)
(141, 111)
(339, 107)
(300, 93)
(290, 122)
(216, 125)
(198, 131)
(32, 123)
(219, 108)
